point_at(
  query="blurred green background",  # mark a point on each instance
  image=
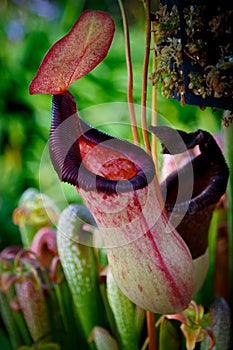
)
(28, 28)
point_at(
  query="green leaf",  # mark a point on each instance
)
(103, 339)
(168, 336)
(124, 313)
(4, 341)
(79, 265)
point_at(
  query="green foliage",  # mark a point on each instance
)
(169, 337)
(80, 268)
(124, 313)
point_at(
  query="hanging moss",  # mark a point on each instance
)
(194, 50)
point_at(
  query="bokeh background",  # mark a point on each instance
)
(28, 28)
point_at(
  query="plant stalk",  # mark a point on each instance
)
(145, 77)
(154, 122)
(151, 330)
(149, 314)
(130, 74)
(154, 116)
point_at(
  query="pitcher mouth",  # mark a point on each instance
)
(91, 159)
(208, 183)
(210, 169)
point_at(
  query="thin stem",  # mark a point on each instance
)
(149, 314)
(154, 121)
(151, 330)
(11, 326)
(130, 74)
(154, 116)
(145, 77)
(145, 344)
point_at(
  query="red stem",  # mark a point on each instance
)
(130, 74)
(145, 76)
(150, 315)
(151, 330)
